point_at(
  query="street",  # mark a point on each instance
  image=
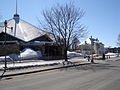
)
(105, 76)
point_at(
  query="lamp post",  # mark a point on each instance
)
(5, 39)
(5, 24)
(92, 48)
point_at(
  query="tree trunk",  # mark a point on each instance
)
(65, 55)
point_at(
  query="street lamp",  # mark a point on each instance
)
(5, 24)
(5, 39)
(92, 49)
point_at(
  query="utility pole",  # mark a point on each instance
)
(5, 24)
(5, 40)
(92, 49)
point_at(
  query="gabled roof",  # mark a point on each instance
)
(87, 41)
(22, 29)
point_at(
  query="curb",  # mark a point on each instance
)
(43, 70)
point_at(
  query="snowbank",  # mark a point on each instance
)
(8, 59)
(28, 53)
(112, 54)
(74, 54)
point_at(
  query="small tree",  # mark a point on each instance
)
(64, 22)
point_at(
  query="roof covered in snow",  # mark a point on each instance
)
(90, 40)
(87, 41)
(22, 29)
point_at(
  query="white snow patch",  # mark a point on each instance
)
(88, 41)
(28, 64)
(2, 58)
(74, 54)
(28, 53)
(112, 54)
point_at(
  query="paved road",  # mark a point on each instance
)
(88, 77)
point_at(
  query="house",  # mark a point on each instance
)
(25, 35)
(92, 46)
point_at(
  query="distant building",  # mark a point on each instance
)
(75, 44)
(25, 35)
(92, 46)
(112, 50)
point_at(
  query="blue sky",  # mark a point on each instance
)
(102, 17)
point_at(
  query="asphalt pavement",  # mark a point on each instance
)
(35, 66)
(99, 76)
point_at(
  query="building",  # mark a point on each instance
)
(112, 50)
(25, 35)
(92, 46)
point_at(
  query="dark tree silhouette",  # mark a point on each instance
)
(64, 22)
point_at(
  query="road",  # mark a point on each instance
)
(104, 76)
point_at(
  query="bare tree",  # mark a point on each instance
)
(64, 22)
(118, 41)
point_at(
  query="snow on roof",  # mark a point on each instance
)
(88, 41)
(22, 30)
(51, 36)
(28, 53)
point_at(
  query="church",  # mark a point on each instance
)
(24, 35)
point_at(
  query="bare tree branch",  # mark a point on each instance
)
(64, 22)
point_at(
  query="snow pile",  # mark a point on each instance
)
(8, 59)
(28, 53)
(111, 54)
(74, 54)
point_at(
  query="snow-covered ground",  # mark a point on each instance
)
(29, 64)
(27, 53)
(74, 54)
(2, 58)
(112, 54)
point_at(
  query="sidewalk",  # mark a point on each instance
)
(34, 67)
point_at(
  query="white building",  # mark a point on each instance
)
(92, 46)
